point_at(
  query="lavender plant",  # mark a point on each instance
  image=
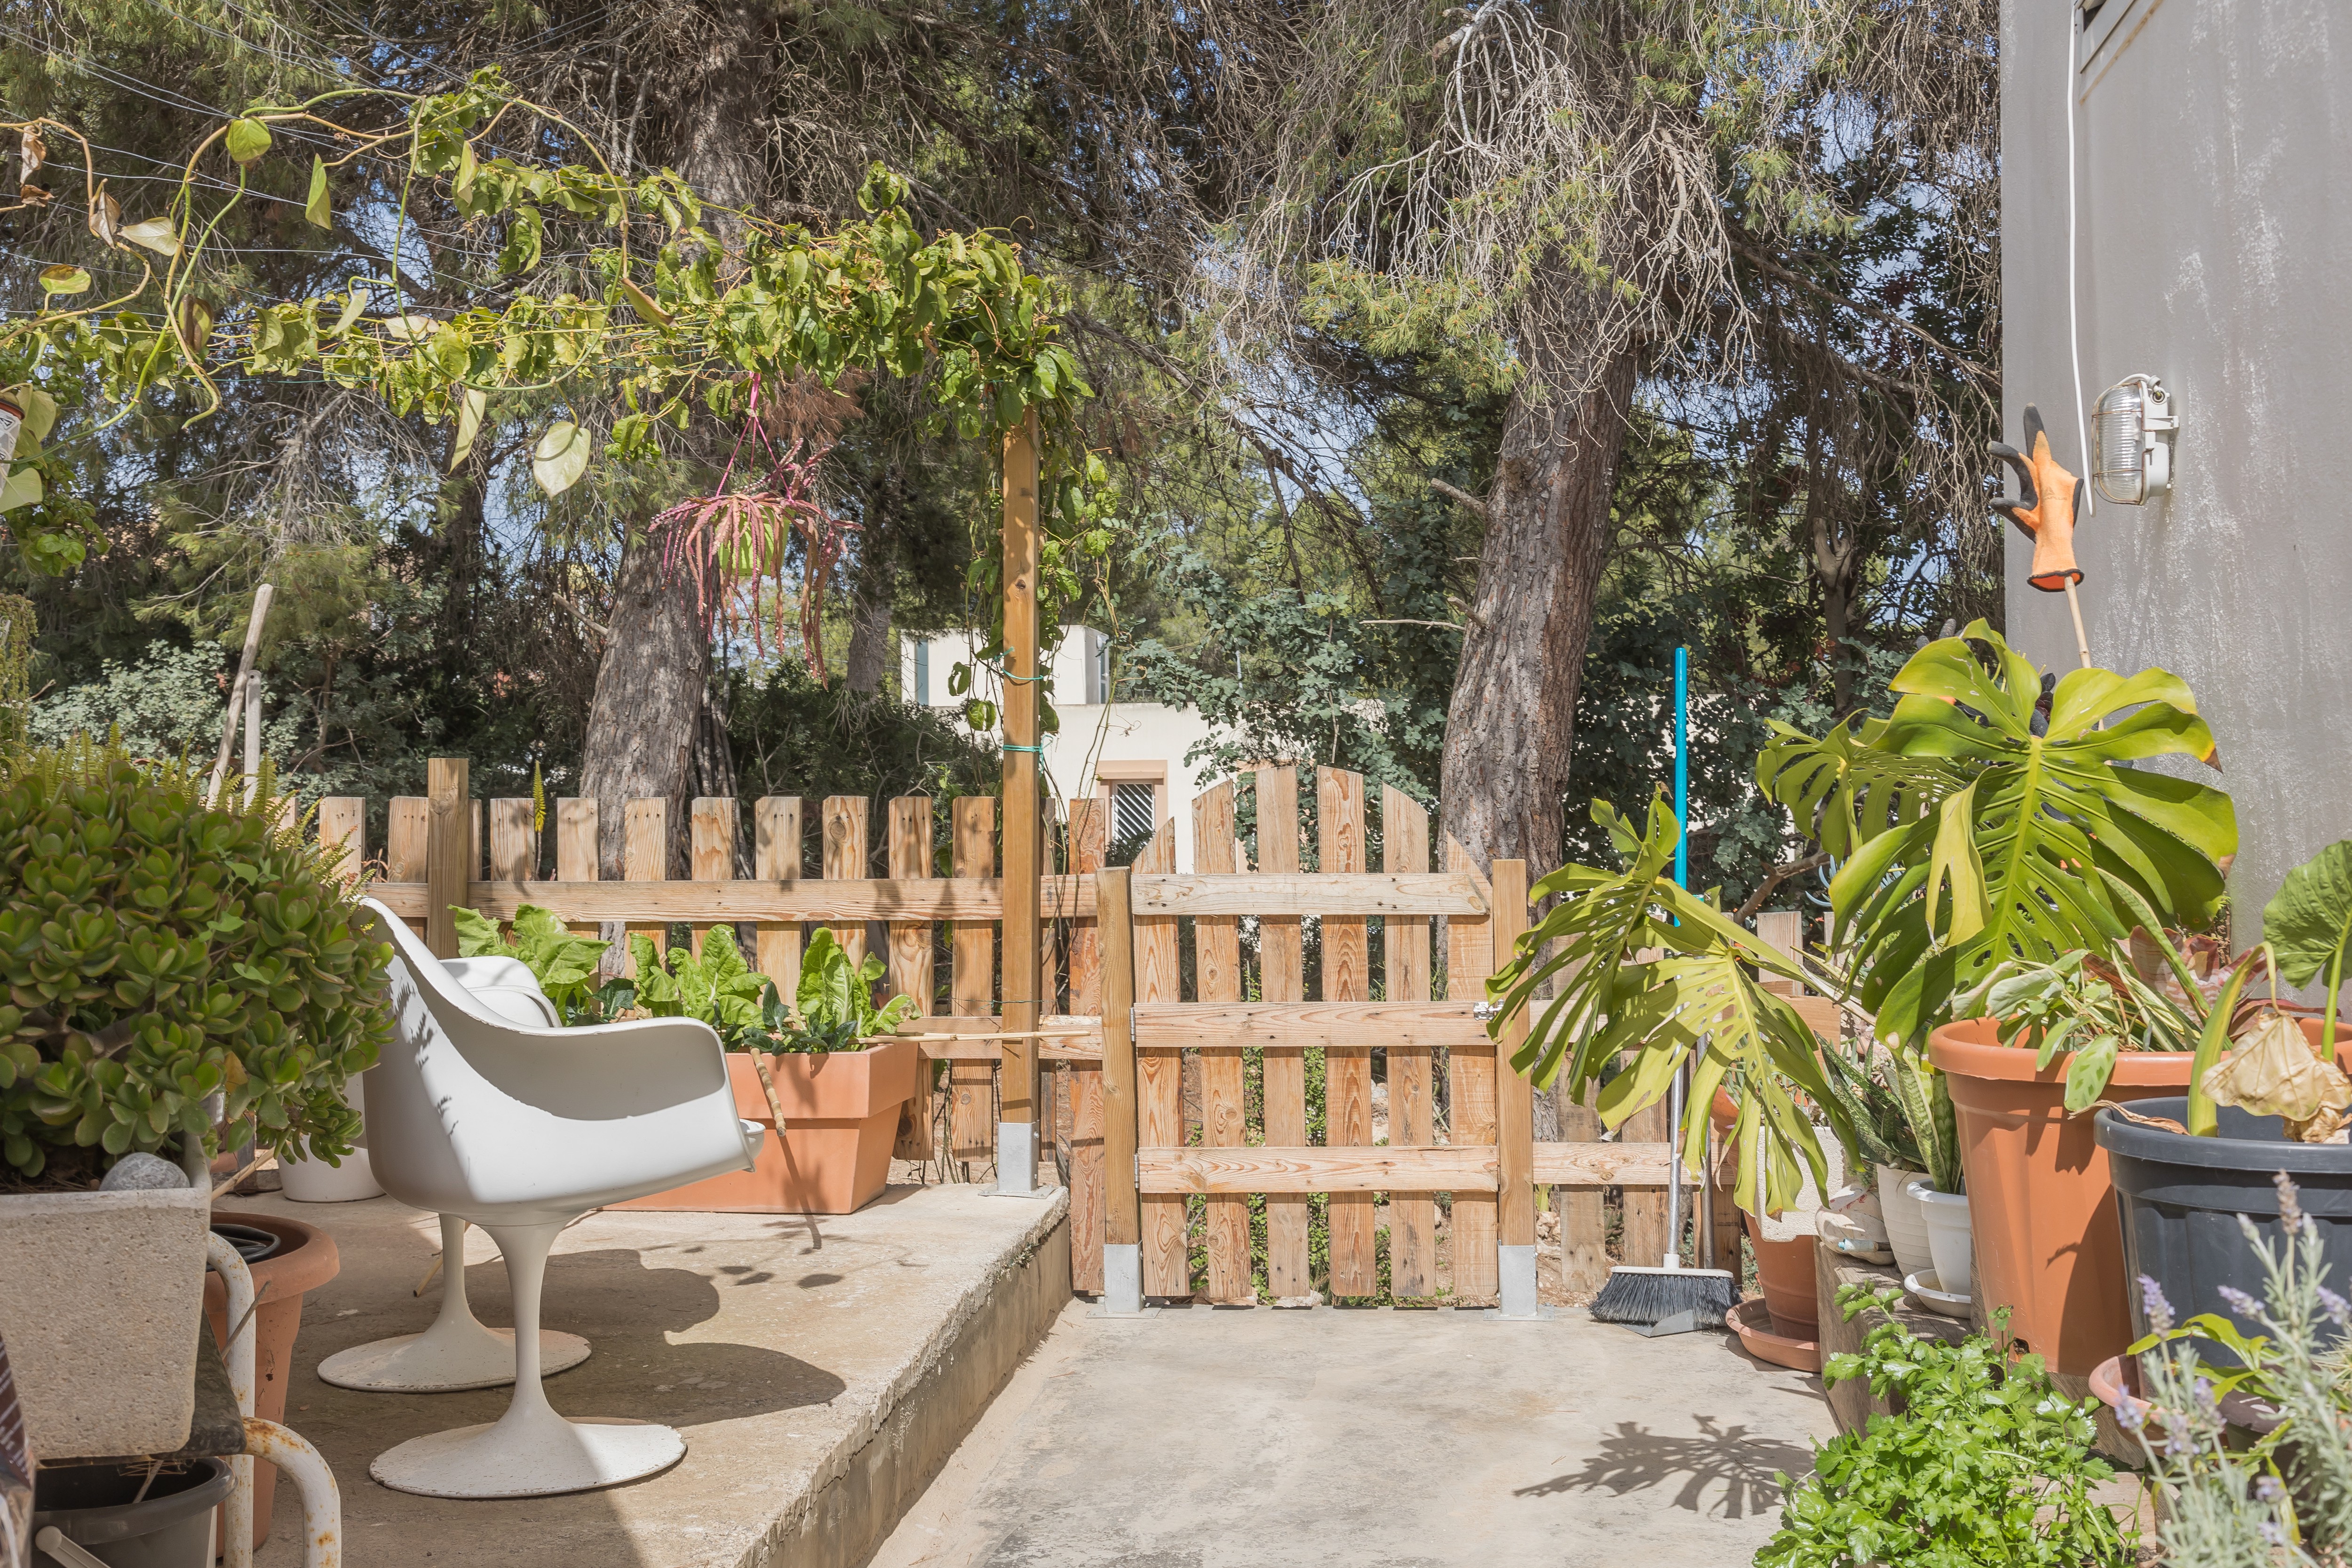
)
(2285, 1498)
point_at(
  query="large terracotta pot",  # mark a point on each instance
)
(2039, 1207)
(305, 1259)
(841, 1116)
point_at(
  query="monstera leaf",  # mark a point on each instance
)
(1700, 998)
(2024, 845)
(1845, 788)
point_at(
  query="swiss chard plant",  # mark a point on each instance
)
(832, 1007)
(716, 987)
(563, 962)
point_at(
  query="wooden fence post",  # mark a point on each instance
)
(1412, 1216)
(1515, 1117)
(1217, 968)
(710, 847)
(342, 825)
(645, 857)
(971, 1115)
(575, 861)
(1122, 1221)
(1016, 1120)
(1470, 1073)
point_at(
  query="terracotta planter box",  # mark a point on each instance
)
(2042, 1214)
(306, 1258)
(841, 1116)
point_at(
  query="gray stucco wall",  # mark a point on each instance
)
(2214, 192)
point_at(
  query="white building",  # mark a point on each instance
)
(1130, 755)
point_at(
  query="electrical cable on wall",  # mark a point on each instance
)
(2073, 304)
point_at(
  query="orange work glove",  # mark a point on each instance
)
(2045, 513)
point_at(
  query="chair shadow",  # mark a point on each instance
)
(1634, 1459)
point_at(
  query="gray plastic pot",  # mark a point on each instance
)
(170, 1527)
(2179, 1198)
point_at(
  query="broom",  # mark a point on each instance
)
(1671, 1298)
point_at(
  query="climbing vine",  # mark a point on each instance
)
(605, 286)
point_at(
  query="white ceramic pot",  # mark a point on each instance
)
(101, 1298)
(308, 1181)
(1907, 1229)
(1946, 1217)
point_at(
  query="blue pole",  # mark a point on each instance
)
(1682, 765)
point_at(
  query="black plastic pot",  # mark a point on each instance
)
(170, 1527)
(2179, 1198)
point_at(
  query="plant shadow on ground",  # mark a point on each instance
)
(1634, 1459)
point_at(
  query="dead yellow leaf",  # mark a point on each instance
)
(2274, 1073)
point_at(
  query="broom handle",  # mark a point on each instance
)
(1674, 1171)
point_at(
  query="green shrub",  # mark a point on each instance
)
(156, 950)
(1988, 1464)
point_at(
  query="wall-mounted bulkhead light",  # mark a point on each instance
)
(2131, 458)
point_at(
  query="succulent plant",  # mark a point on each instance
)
(156, 949)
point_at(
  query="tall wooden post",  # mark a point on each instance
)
(1515, 1117)
(1016, 1126)
(1122, 1220)
(448, 841)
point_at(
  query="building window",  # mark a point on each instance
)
(1131, 824)
(922, 672)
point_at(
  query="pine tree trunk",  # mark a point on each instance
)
(1514, 709)
(647, 734)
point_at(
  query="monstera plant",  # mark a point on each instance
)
(1702, 997)
(1999, 814)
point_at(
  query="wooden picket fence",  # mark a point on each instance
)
(1194, 1100)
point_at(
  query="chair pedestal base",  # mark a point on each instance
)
(446, 1362)
(457, 1353)
(528, 1453)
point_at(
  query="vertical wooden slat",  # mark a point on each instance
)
(447, 821)
(405, 832)
(1584, 1214)
(1347, 1069)
(1122, 1221)
(776, 857)
(1087, 846)
(1412, 1216)
(1470, 1082)
(645, 857)
(710, 847)
(1282, 977)
(1160, 1075)
(575, 858)
(342, 825)
(845, 861)
(512, 843)
(1217, 977)
(473, 840)
(971, 1112)
(1086, 1173)
(1515, 1103)
(909, 848)
(1644, 1240)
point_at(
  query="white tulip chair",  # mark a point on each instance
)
(522, 1129)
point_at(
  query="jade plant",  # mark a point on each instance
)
(159, 948)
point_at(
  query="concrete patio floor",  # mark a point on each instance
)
(820, 1369)
(1210, 1438)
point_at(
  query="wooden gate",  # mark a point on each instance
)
(1182, 1161)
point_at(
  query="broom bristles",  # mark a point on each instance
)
(1646, 1296)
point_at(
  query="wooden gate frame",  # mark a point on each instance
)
(1507, 1163)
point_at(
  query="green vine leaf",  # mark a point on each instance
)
(561, 458)
(156, 234)
(316, 208)
(247, 141)
(469, 424)
(64, 279)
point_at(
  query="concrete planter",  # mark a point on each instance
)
(102, 1298)
(841, 1115)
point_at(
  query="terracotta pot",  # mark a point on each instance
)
(841, 1116)
(2042, 1212)
(305, 1259)
(1759, 1333)
(1785, 1271)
